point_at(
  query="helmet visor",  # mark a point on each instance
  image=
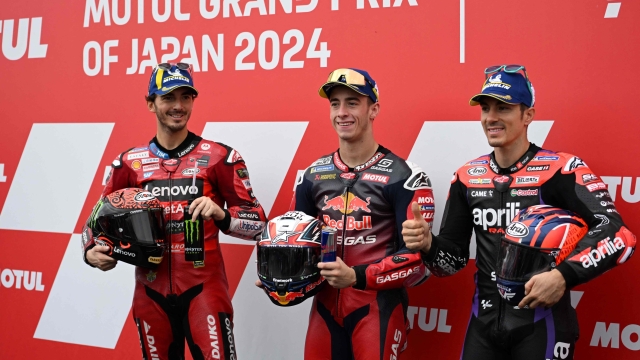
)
(288, 262)
(517, 262)
(144, 227)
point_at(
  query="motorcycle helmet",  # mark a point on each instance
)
(288, 253)
(131, 223)
(538, 239)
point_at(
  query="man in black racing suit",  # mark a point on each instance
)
(485, 194)
(365, 191)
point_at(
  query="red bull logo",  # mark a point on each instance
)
(347, 203)
(286, 298)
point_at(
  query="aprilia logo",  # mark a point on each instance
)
(493, 217)
(605, 248)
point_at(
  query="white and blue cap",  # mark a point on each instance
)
(508, 87)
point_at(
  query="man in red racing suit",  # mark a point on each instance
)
(185, 299)
(485, 195)
(361, 312)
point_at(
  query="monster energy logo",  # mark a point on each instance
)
(94, 213)
(190, 227)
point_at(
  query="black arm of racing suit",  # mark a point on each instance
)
(244, 217)
(403, 267)
(449, 250)
(608, 242)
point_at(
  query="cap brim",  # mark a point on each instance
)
(324, 89)
(166, 90)
(474, 101)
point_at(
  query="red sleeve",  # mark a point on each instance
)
(403, 268)
(245, 217)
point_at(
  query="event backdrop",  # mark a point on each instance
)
(74, 74)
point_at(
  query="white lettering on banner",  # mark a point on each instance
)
(93, 49)
(385, 3)
(614, 181)
(213, 335)
(95, 10)
(19, 278)
(208, 52)
(32, 33)
(436, 317)
(322, 53)
(3, 178)
(604, 336)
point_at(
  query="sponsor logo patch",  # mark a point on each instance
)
(523, 192)
(322, 168)
(527, 179)
(375, 178)
(326, 177)
(479, 181)
(477, 171)
(538, 168)
(140, 155)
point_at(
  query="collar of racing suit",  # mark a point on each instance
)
(380, 152)
(524, 159)
(184, 148)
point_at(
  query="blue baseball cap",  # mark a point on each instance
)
(168, 77)
(508, 87)
(357, 80)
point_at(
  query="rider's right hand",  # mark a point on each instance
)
(97, 256)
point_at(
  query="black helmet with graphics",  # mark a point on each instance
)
(288, 254)
(131, 223)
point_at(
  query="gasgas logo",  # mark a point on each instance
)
(347, 203)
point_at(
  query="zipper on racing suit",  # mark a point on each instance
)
(344, 230)
(170, 234)
(500, 300)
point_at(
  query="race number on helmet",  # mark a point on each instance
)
(131, 223)
(538, 239)
(288, 254)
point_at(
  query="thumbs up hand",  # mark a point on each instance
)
(417, 232)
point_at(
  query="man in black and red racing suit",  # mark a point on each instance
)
(367, 205)
(484, 197)
(188, 299)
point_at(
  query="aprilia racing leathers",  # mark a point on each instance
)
(367, 205)
(187, 299)
(484, 198)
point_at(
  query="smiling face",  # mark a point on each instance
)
(173, 110)
(505, 125)
(352, 114)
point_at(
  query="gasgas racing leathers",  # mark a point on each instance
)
(367, 205)
(187, 299)
(484, 198)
